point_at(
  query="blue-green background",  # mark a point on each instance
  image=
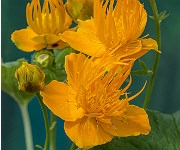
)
(166, 93)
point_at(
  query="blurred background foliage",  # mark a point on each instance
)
(165, 97)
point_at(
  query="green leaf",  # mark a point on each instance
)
(9, 83)
(164, 135)
(143, 65)
(54, 74)
(161, 16)
(144, 71)
(141, 72)
(60, 57)
(58, 72)
(152, 17)
(52, 125)
(39, 146)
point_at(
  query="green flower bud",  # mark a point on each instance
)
(80, 9)
(44, 58)
(30, 78)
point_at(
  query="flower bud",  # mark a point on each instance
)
(30, 78)
(80, 9)
(44, 58)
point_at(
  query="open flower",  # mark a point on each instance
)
(90, 105)
(114, 28)
(44, 26)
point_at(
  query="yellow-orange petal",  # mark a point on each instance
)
(136, 49)
(146, 45)
(132, 123)
(23, 40)
(74, 64)
(85, 40)
(58, 45)
(86, 132)
(149, 44)
(128, 50)
(67, 22)
(60, 99)
(46, 38)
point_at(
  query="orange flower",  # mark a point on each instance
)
(44, 26)
(113, 29)
(89, 102)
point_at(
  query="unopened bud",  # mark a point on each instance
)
(80, 9)
(30, 78)
(44, 58)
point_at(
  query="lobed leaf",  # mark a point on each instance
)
(9, 83)
(164, 135)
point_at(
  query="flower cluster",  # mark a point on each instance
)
(93, 101)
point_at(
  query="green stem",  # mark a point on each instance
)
(52, 132)
(46, 122)
(27, 127)
(73, 146)
(157, 56)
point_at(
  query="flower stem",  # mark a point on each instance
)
(52, 132)
(27, 127)
(157, 56)
(73, 146)
(46, 122)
